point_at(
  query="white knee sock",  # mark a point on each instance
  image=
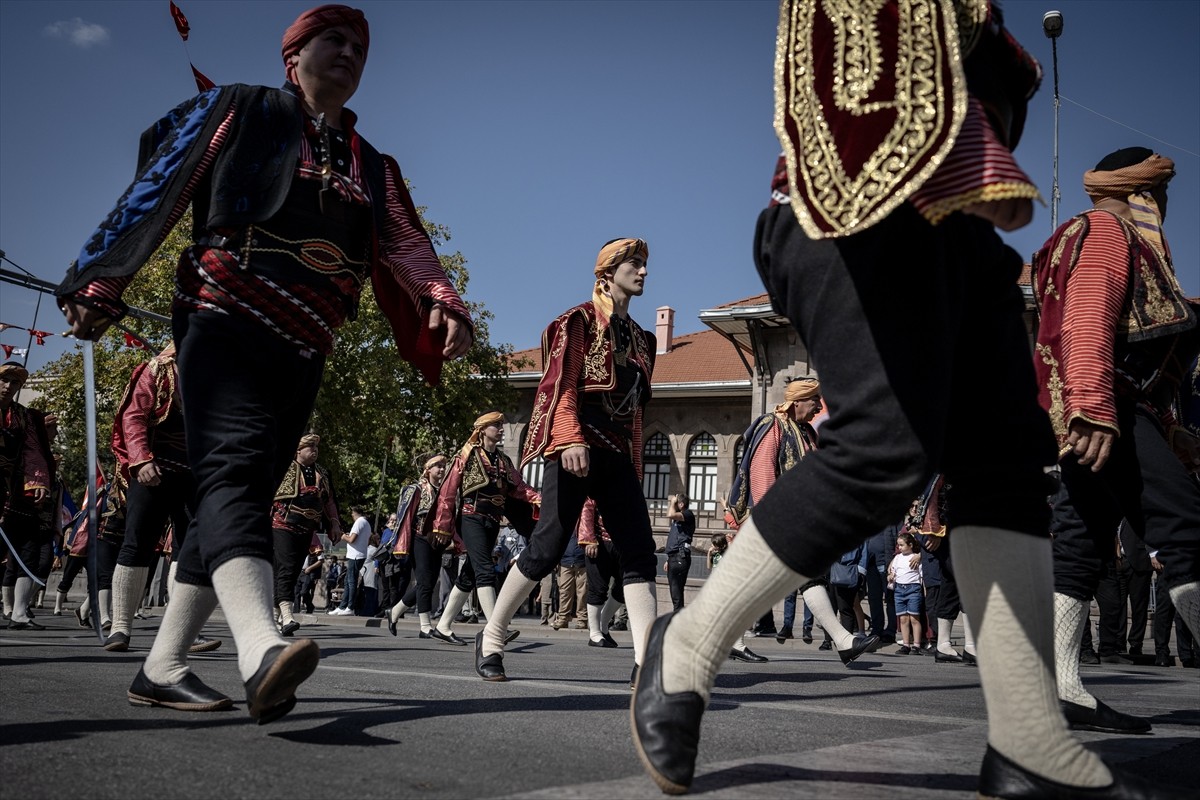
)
(426, 622)
(594, 613)
(606, 614)
(641, 599)
(453, 605)
(397, 610)
(105, 598)
(487, 601)
(1006, 582)
(85, 608)
(1070, 615)
(59, 599)
(1186, 599)
(285, 613)
(40, 599)
(945, 626)
(817, 600)
(22, 592)
(697, 642)
(514, 591)
(128, 583)
(244, 588)
(189, 609)
(968, 635)
(7, 593)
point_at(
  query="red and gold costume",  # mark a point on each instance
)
(479, 482)
(1111, 311)
(149, 422)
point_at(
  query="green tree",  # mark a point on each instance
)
(371, 401)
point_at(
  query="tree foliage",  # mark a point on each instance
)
(372, 405)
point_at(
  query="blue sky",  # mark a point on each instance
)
(539, 130)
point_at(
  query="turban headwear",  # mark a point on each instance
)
(315, 20)
(14, 369)
(308, 440)
(612, 255)
(1129, 175)
(433, 460)
(797, 390)
(490, 418)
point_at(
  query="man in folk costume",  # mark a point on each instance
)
(1114, 341)
(304, 504)
(416, 539)
(587, 423)
(928, 521)
(26, 475)
(895, 182)
(776, 443)
(293, 212)
(481, 487)
(604, 590)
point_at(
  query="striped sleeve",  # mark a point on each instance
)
(565, 428)
(978, 169)
(1096, 292)
(409, 254)
(762, 463)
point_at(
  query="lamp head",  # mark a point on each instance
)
(1052, 24)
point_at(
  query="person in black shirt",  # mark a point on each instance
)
(679, 547)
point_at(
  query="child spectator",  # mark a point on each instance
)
(904, 573)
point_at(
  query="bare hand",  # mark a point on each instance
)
(1091, 444)
(148, 474)
(591, 550)
(932, 543)
(914, 562)
(39, 495)
(1007, 215)
(576, 460)
(85, 322)
(458, 333)
(1156, 564)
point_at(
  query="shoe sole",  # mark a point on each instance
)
(278, 687)
(117, 647)
(205, 647)
(1078, 726)
(141, 700)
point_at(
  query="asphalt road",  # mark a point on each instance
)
(405, 717)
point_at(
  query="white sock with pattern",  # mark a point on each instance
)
(22, 592)
(817, 600)
(514, 591)
(245, 589)
(453, 604)
(128, 583)
(1186, 599)
(968, 635)
(189, 609)
(945, 627)
(606, 614)
(1070, 615)
(641, 599)
(1006, 581)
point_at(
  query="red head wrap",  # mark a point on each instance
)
(315, 20)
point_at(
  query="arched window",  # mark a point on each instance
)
(534, 472)
(656, 470)
(702, 473)
(739, 452)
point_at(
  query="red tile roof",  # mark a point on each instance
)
(752, 300)
(701, 357)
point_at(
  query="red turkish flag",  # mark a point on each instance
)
(133, 341)
(203, 83)
(181, 23)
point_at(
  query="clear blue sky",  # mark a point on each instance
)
(538, 130)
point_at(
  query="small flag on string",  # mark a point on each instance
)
(181, 23)
(8, 350)
(203, 82)
(133, 341)
(40, 336)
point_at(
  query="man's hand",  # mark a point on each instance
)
(1156, 564)
(576, 460)
(914, 561)
(85, 321)
(458, 333)
(932, 543)
(38, 494)
(1007, 215)
(591, 550)
(147, 474)
(1091, 444)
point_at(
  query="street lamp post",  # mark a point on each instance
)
(1052, 26)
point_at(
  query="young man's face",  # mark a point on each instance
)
(493, 436)
(10, 385)
(630, 276)
(331, 61)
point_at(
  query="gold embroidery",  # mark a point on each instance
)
(1157, 305)
(1054, 385)
(971, 16)
(925, 123)
(595, 363)
(474, 476)
(538, 416)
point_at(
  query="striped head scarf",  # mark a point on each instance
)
(14, 369)
(1129, 175)
(611, 256)
(308, 440)
(490, 418)
(797, 390)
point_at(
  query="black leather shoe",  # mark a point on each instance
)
(1115, 658)
(1164, 661)
(825, 645)
(271, 691)
(1102, 718)
(448, 638)
(946, 658)
(289, 628)
(392, 626)
(633, 676)
(866, 645)
(511, 637)
(424, 635)
(83, 621)
(806, 637)
(1088, 657)
(605, 641)
(25, 626)
(1001, 778)
(490, 668)
(203, 644)
(594, 643)
(969, 659)
(190, 694)
(783, 635)
(609, 641)
(117, 642)
(747, 655)
(666, 727)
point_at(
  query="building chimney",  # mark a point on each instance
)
(664, 328)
